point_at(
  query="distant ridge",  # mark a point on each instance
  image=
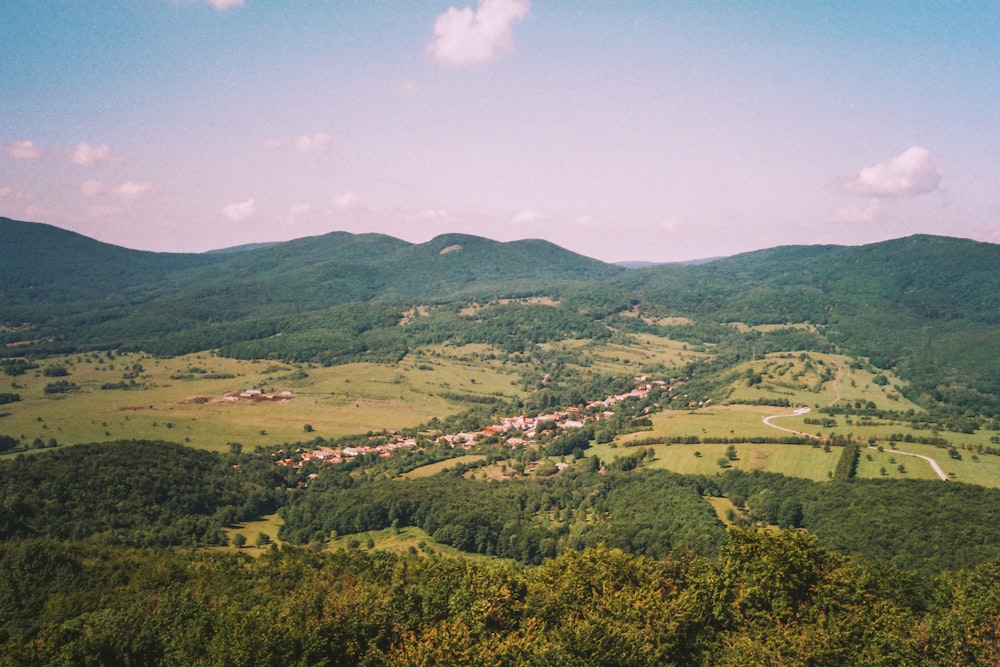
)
(926, 306)
(241, 248)
(652, 265)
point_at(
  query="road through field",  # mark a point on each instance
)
(801, 411)
(934, 464)
(798, 411)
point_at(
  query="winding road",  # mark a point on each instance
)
(801, 411)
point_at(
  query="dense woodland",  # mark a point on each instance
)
(768, 598)
(114, 552)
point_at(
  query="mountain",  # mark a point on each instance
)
(62, 290)
(926, 306)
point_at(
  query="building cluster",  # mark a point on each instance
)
(511, 431)
(257, 395)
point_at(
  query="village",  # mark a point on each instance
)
(521, 430)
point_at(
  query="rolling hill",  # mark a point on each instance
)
(925, 306)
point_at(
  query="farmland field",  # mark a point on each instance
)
(184, 398)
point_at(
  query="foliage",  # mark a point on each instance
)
(923, 525)
(650, 514)
(141, 493)
(768, 598)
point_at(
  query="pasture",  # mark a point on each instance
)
(434, 468)
(183, 399)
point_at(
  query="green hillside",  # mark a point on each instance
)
(925, 307)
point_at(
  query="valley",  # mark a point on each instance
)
(510, 411)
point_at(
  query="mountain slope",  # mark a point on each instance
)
(926, 306)
(69, 288)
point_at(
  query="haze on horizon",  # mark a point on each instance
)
(620, 130)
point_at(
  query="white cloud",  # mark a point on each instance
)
(8, 192)
(434, 214)
(241, 211)
(273, 144)
(22, 150)
(872, 212)
(132, 191)
(469, 37)
(86, 155)
(910, 173)
(672, 223)
(91, 189)
(313, 143)
(129, 191)
(527, 216)
(223, 5)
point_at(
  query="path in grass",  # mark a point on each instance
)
(801, 411)
(798, 411)
(934, 464)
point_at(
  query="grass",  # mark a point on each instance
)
(722, 507)
(173, 403)
(405, 540)
(985, 471)
(269, 525)
(434, 468)
(816, 380)
(181, 399)
(792, 460)
(644, 350)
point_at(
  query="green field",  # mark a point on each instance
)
(183, 398)
(409, 539)
(815, 380)
(434, 468)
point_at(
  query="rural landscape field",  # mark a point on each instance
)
(487, 443)
(504, 333)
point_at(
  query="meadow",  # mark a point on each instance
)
(184, 398)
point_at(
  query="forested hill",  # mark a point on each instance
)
(931, 277)
(42, 263)
(925, 306)
(63, 290)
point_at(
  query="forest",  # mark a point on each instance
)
(767, 598)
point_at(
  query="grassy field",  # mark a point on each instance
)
(434, 468)
(183, 398)
(644, 351)
(815, 380)
(408, 539)
(794, 460)
(250, 530)
(985, 471)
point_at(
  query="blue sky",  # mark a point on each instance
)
(622, 130)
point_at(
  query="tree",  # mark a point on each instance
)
(239, 540)
(790, 514)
